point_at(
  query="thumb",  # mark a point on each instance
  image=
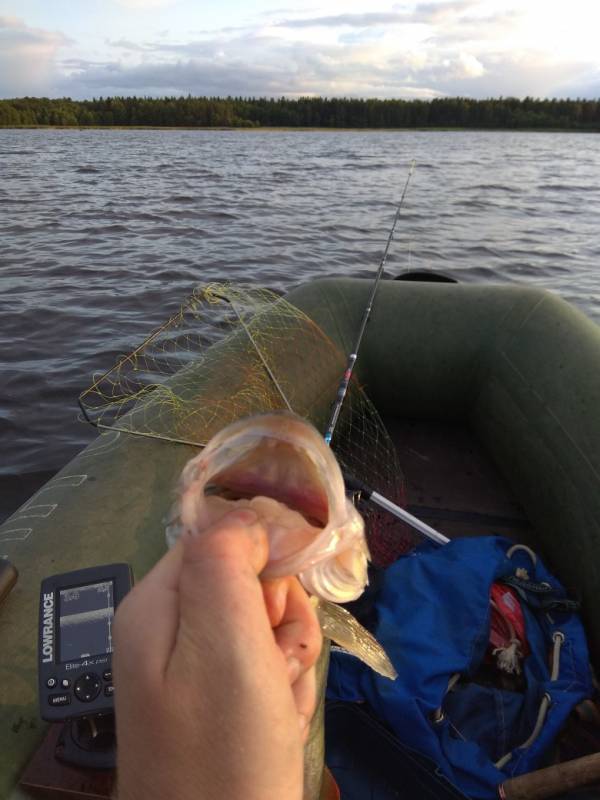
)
(219, 575)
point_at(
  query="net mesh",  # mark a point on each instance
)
(231, 352)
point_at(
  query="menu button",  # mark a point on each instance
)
(59, 699)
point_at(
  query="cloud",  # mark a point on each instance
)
(423, 13)
(126, 44)
(349, 20)
(434, 13)
(426, 50)
(263, 65)
(144, 5)
(534, 73)
(469, 66)
(193, 76)
(489, 31)
(267, 66)
(585, 86)
(27, 57)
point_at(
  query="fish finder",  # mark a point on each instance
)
(75, 655)
(75, 640)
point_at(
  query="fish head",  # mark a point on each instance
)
(280, 466)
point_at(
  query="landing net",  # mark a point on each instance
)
(231, 352)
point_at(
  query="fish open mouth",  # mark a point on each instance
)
(279, 470)
(280, 466)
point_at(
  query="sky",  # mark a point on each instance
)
(351, 48)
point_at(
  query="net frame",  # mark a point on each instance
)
(233, 351)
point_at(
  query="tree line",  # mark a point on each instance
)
(320, 112)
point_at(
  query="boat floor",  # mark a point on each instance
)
(451, 482)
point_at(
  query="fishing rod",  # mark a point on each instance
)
(343, 387)
(366, 493)
(352, 483)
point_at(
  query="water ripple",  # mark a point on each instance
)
(106, 232)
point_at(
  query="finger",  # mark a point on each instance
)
(275, 591)
(237, 539)
(146, 620)
(220, 592)
(304, 691)
(299, 633)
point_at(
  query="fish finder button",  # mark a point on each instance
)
(87, 687)
(59, 699)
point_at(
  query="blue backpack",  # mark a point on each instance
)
(434, 623)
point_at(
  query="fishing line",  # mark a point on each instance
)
(343, 387)
(352, 483)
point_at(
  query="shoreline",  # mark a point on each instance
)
(290, 129)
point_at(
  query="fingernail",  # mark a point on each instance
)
(242, 516)
(294, 668)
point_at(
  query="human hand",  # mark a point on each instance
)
(214, 673)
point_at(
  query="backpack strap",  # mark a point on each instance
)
(541, 596)
(558, 638)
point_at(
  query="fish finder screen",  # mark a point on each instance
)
(85, 621)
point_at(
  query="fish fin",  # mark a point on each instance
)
(342, 628)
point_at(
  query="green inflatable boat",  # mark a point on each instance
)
(490, 393)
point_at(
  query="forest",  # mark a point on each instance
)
(304, 112)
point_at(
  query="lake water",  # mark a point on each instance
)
(104, 233)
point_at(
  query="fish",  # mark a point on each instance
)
(279, 465)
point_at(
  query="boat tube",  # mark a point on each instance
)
(518, 365)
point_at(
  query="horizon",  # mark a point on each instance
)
(474, 49)
(325, 98)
